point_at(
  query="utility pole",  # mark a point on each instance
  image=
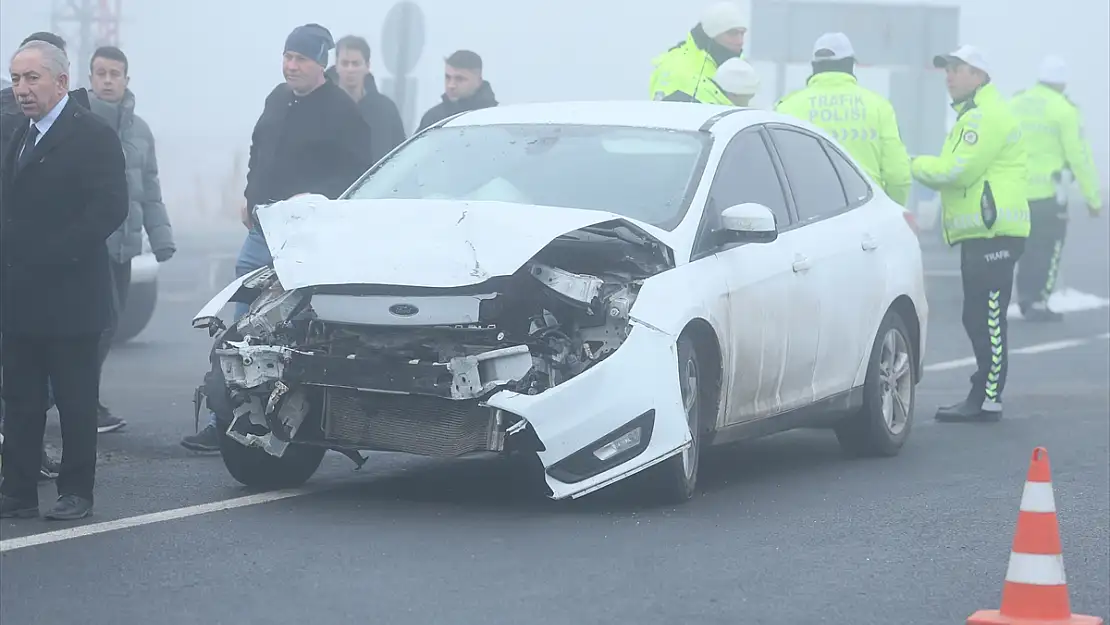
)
(85, 25)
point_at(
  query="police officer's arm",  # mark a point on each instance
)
(1078, 154)
(894, 161)
(966, 162)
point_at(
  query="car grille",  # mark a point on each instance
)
(414, 424)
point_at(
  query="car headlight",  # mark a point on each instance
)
(271, 309)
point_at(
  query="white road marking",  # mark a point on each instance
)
(45, 538)
(1039, 348)
(92, 529)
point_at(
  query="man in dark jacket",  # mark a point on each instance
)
(311, 138)
(352, 73)
(11, 119)
(64, 193)
(464, 89)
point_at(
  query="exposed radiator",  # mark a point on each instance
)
(415, 424)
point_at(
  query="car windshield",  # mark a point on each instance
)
(642, 173)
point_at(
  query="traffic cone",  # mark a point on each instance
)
(1036, 590)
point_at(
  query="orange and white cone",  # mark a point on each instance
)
(1036, 589)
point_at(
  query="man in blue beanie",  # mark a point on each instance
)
(311, 138)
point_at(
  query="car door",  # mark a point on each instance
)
(835, 247)
(760, 283)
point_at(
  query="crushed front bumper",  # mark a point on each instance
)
(613, 420)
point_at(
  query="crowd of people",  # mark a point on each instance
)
(80, 186)
(73, 222)
(1002, 174)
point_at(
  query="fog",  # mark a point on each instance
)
(201, 69)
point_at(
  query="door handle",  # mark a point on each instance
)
(869, 243)
(801, 264)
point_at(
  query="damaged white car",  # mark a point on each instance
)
(607, 287)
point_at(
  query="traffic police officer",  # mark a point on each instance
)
(691, 64)
(1053, 133)
(735, 84)
(861, 120)
(981, 176)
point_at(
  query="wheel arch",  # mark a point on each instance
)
(708, 347)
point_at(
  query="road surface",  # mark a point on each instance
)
(783, 530)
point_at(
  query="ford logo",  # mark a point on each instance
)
(403, 310)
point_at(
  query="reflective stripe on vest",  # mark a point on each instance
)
(958, 225)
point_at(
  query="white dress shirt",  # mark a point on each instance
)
(48, 120)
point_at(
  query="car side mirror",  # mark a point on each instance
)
(748, 223)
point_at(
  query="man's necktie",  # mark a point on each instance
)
(28, 146)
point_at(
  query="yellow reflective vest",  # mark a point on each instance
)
(707, 92)
(682, 68)
(1053, 132)
(862, 121)
(981, 171)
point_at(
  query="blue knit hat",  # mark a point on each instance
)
(312, 41)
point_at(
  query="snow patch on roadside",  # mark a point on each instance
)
(1066, 301)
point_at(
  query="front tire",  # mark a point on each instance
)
(255, 468)
(675, 480)
(252, 466)
(882, 426)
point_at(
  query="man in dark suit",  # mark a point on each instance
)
(12, 119)
(64, 192)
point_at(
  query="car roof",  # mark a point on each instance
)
(637, 113)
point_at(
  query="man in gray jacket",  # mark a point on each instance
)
(113, 102)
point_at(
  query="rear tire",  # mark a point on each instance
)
(142, 299)
(882, 426)
(675, 480)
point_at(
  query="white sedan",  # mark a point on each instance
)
(605, 287)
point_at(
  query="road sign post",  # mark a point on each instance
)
(403, 34)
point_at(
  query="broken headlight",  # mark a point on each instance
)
(274, 307)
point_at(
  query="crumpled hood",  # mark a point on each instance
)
(428, 243)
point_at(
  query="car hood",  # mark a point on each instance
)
(315, 241)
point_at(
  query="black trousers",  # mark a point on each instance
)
(987, 268)
(1040, 264)
(121, 286)
(72, 366)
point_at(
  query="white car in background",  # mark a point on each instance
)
(606, 287)
(142, 298)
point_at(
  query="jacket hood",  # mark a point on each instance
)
(482, 98)
(987, 94)
(831, 79)
(369, 83)
(119, 115)
(709, 45)
(425, 243)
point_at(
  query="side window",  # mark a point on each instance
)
(855, 186)
(746, 174)
(812, 177)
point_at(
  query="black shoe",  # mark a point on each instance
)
(207, 439)
(968, 412)
(50, 467)
(69, 508)
(12, 508)
(107, 422)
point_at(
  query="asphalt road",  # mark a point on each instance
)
(783, 530)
